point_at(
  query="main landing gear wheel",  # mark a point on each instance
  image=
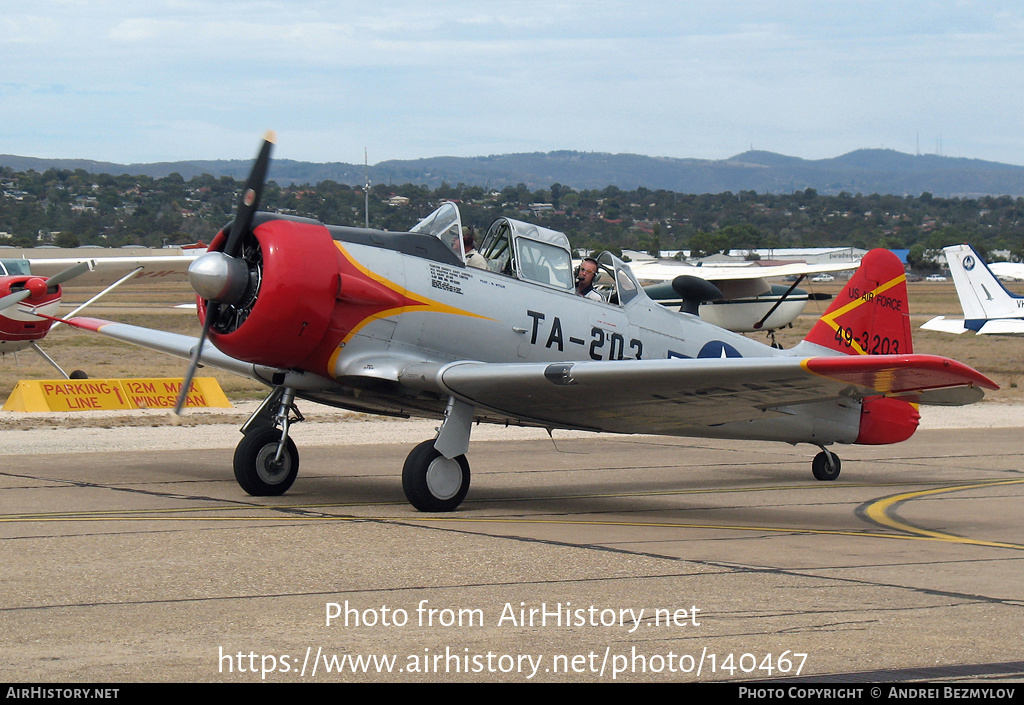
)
(432, 482)
(255, 469)
(826, 466)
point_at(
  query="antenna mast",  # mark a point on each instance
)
(366, 190)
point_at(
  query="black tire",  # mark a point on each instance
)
(78, 374)
(821, 469)
(253, 463)
(433, 483)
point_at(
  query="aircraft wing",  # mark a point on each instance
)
(1007, 270)
(660, 271)
(107, 270)
(162, 341)
(734, 282)
(644, 396)
(664, 396)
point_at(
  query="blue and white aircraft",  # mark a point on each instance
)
(989, 308)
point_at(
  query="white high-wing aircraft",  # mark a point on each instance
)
(398, 324)
(989, 309)
(30, 291)
(749, 302)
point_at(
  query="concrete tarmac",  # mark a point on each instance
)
(591, 559)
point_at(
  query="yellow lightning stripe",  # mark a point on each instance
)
(829, 319)
(422, 304)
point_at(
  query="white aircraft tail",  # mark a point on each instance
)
(982, 296)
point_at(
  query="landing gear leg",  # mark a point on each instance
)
(266, 460)
(436, 473)
(826, 465)
(77, 374)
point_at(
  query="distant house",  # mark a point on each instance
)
(398, 201)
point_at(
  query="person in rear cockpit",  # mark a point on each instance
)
(473, 258)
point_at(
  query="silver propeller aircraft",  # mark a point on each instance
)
(397, 324)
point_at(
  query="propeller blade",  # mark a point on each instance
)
(250, 200)
(70, 273)
(212, 310)
(15, 298)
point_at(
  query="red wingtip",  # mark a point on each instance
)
(86, 323)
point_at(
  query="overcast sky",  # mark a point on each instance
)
(166, 80)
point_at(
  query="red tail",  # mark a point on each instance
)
(870, 316)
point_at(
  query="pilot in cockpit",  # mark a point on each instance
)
(585, 275)
(473, 258)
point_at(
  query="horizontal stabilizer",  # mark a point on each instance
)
(1003, 326)
(942, 324)
(907, 376)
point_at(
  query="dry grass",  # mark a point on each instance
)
(1002, 359)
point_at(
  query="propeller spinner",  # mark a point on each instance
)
(222, 278)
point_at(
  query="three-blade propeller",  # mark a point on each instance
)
(222, 277)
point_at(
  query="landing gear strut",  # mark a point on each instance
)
(266, 460)
(826, 465)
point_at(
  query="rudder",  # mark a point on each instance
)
(871, 315)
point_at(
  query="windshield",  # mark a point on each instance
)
(14, 266)
(626, 284)
(446, 225)
(544, 263)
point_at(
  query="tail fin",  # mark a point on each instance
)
(870, 316)
(982, 296)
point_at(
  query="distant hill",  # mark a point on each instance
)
(863, 171)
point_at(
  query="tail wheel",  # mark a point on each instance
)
(255, 469)
(826, 466)
(432, 482)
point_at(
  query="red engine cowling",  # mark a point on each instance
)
(16, 324)
(296, 285)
